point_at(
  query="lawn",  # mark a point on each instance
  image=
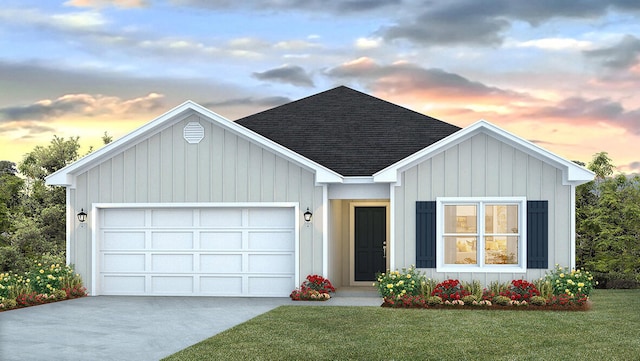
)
(609, 331)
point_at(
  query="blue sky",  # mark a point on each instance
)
(564, 74)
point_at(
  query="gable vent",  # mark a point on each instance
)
(193, 132)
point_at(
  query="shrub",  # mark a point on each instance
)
(520, 290)
(396, 283)
(544, 287)
(434, 300)
(314, 288)
(474, 288)
(502, 301)
(428, 286)
(318, 283)
(450, 290)
(538, 301)
(469, 300)
(574, 283)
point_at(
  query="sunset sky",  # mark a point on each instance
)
(563, 74)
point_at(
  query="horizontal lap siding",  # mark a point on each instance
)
(223, 167)
(482, 167)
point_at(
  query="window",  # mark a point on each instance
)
(481, 234)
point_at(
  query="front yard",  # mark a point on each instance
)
(609, 331)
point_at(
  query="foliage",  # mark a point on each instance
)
(574, 283)
(544, 287)
(520, 290)
(314, 288)
(396, 283)
(318, 283)
(428, 286)
(450, 290)
(502, 300)
(474, 287)
(45, 282)
(538, 301)
(608, 222)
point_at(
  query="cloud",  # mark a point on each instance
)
(555, 44)
(289, 74)
(333, 7)
(471, 22)
(622, 55)
(431, 84)
(85, 105)
(262, 102)
(578, 110)
(105, 3)
(83, 21)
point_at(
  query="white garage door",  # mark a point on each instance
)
(215, 251)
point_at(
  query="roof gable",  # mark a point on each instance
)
(65, 176)
(572, 173)
(350, 132)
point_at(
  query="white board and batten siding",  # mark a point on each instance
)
(164, 168)
(482, 166)
(191, 250)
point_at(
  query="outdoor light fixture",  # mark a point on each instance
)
(307, 215)
(82, 216)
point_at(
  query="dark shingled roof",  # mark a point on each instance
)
(347, 131)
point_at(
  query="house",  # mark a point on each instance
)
(194, 204)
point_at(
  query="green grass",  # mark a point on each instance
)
(609, 331)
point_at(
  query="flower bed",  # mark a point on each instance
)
(560, 289)
(315, 288)
(44, 283)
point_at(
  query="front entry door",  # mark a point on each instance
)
(370, 238)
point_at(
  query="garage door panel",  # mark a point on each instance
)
(171, 263)
(123, 285)
(270, 263)
(115, 262)
(171, 217)
(220, 240)
(271, 217)
(123, 240)
(223, 251)
(172, 285)
(221, 217)
(270, 286)
(172, 240)
(123, 218)
(271, 240)
(221, 263)
(215, 286)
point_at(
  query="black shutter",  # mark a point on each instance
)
(537, 234)
(426, 234)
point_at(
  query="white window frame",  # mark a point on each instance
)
(520, 267)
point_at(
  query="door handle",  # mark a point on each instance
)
(384, 249)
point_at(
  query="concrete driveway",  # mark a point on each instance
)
(121, 328)
(136, 328)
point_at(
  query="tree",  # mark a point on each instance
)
(608, 223)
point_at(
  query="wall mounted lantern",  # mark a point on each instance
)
(307, 215)
(82, 216)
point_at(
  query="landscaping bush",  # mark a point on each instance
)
(314, 288)
(520, 290)
(395, 283)
(450, 290)
(45, 282)
(575, 283)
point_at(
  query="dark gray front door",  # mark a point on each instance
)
(370, 237)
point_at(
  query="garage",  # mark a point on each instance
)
(195, 250)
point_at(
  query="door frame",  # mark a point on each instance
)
(352, 236)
